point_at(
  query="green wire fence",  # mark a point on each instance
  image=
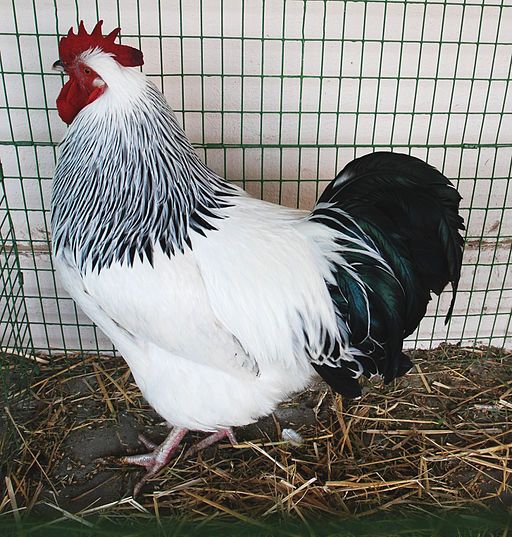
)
(277, 96)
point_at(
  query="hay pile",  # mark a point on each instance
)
(438, 438)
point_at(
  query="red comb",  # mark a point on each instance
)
(74, 44)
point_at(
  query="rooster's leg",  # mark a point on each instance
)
(158, 458)
(212, 439)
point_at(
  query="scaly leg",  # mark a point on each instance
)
(158, 458)
(212, 439)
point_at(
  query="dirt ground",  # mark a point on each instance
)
(438, 438)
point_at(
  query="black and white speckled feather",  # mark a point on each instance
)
(135, 182)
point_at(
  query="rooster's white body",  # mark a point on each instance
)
(221, 304)
(214, 334)
(212, 337)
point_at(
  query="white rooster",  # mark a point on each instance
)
(223, 305)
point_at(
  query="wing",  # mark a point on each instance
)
(265, 278)
(165, 304)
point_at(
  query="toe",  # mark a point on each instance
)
(147, 443)
(140, 483)
(147, 460)
(152, 470)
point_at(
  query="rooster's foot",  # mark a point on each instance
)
(156, 459)
(212, 439)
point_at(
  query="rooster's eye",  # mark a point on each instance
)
(87, 71)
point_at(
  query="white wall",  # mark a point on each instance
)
(346, 76)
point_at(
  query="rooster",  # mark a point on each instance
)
(222, 304)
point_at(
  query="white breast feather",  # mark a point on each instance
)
(214, 336)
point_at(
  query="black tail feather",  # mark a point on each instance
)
(408, 211)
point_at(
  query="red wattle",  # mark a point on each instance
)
(72, 98)
(70, 101)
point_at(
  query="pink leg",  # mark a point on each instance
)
(212, 439)
(158, 458)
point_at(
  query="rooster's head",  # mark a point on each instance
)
(77, 54)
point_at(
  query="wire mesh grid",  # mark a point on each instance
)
(277, 96)
(14, 324)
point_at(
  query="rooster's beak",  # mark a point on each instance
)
(58, 66)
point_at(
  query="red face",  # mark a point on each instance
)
(83, 87)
